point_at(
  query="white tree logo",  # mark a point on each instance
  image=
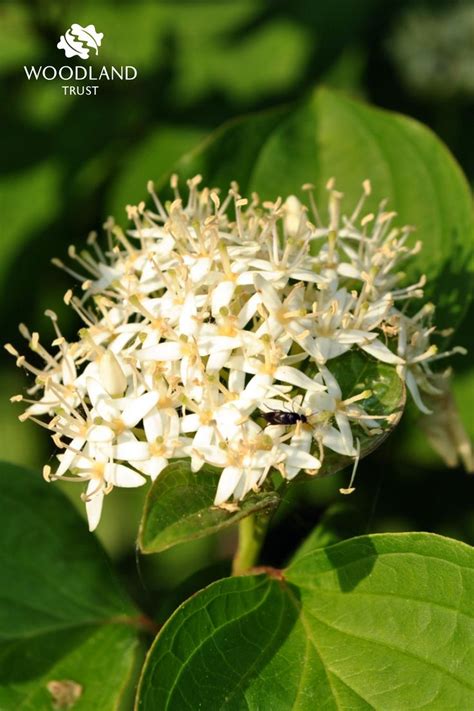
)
(78, 40)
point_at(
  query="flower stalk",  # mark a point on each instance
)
(252, 531)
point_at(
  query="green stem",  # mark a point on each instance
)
(252, 530)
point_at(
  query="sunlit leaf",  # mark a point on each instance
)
(376, 622)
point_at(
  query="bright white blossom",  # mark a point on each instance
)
(209, 315)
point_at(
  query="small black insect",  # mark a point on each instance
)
(280, 417)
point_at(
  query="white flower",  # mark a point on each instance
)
(162, 429)
(332, 423)
(340, 326)
(96, 465)
(207, 313)
(103, 475)
(245, 462)
(416, 354)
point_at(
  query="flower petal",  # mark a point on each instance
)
(152, 467)
(153, 425)
(378, 350)
(136, 408)
(188, 324)
(100, 433)
(120, 475)
(297, 459)
(127, 451)
(94, 505)
(222, 295)
(346, 432)
(288, 374)
(267, 292)
(228, 481)
(333, 439)
(66, 459)
(327, 348)
(412, 386)
(165, 351)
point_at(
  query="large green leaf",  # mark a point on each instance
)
(63, 614)
(329, 135)
(179, 507)
(377, 622)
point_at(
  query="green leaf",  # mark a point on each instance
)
(376, 622)
(329, 135)
(179, 507)
(63, 613)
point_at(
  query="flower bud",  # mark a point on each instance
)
(111, 375)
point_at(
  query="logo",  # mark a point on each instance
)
(78, 41)
(79, 79)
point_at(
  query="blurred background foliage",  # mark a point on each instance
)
(68, 162)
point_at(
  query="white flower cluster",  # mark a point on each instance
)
(199, 324)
